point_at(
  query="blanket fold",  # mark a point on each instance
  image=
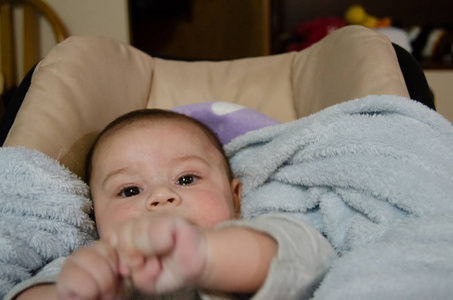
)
(374, 175)
(44, 214)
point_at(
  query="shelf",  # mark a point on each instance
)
(432, 65)
(403, 14)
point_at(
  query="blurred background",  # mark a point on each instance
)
(232, 29)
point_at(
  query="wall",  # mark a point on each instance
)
(441, 84)
(109, 18)
(94, 17)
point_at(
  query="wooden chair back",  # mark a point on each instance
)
(31, 9)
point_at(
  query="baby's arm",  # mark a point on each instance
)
(165, 253)
(304, 256)
(239, 259)
(40, 286)
(89, 273)
(39, 292)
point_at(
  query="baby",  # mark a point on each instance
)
(165, 203)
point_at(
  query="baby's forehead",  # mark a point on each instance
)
(176, 126)
(181, 126)
(198, 132)
(168, 121)
(144, 123)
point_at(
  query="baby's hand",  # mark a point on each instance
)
(160, 253)
(90, 273)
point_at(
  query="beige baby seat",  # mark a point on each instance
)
(86, 82)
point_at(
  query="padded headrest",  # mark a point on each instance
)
(86, 82)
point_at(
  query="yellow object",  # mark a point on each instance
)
(370, 22)
(357, 15)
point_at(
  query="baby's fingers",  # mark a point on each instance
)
(124, 241)
(144, 279)
(90, 273)
(155, 236)
(142, 238)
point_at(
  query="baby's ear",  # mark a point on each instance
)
(236, 189)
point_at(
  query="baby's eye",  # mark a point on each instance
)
(186, 179)
(130, 191)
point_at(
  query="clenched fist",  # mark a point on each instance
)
(160, 253)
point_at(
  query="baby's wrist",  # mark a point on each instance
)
(215, 249)
(42, 291)
(237, 259)
(205, 251)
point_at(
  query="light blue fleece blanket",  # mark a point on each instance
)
(375, 176)
(44, 214)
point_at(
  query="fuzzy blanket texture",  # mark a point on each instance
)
(44, 214)
(375, 176)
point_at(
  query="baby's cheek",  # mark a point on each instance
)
(112, 217)
(212, 214)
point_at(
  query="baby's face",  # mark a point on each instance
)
(169, 166)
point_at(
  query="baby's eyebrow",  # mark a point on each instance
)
(112, 174)
(190, 157)
(180, 159)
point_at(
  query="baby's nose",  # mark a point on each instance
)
(163, 198)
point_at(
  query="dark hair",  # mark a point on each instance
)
(153, 115)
